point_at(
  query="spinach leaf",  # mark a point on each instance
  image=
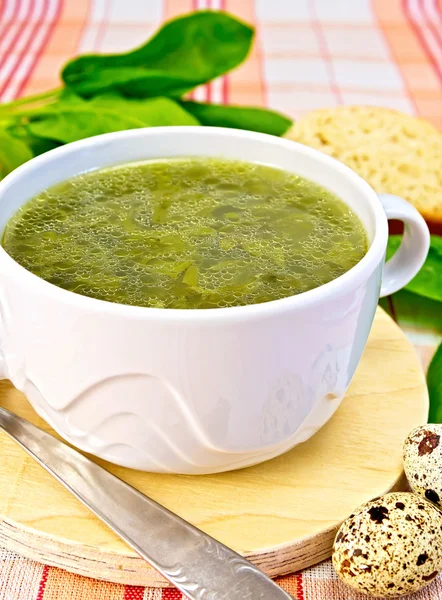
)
(434, 381)
(186, 52)
(13, 153)
(428, 282)
(412, 310)
(239, 117)
(106, 93)
(75, 118)
(38, 145)
(154, 112)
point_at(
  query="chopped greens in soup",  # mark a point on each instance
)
(186, 233)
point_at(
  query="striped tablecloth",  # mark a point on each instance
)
(308, 54)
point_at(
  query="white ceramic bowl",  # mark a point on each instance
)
(195, 391)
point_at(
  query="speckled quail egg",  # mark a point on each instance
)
(423, 462)
(390, 546)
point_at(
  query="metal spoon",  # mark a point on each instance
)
(198, 565)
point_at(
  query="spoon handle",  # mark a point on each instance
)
(198, 565)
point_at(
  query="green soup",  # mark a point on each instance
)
(186, 233)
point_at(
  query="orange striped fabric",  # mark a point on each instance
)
(22, 579)
(307, 54)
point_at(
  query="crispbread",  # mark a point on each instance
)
(394, 152)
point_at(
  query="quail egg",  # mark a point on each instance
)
(390, 546)
(423, 462)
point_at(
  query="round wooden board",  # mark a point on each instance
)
(281, 514)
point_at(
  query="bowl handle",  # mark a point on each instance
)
(411, 255)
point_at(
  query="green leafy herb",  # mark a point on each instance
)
(434, 381)
(69, 121)
(160, 212)
(154, 112)
(24, 105)
(428, 282)
(239, 117)
(185, 53)
(13, 152)
(191, 276)
(142, 88)
(411, 310)
(177, 269)
(36, 145)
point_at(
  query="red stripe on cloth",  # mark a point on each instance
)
(391, 51)
(19, 34)
(225, 79)
(261, 56)
(103, 26)
(225, 90)
(38, 54)
(392, 308)
(6, 25)
(191, 95)
(43, 580)
(325, 54)
(300, 586)
(208, 5)
(133, 592)
(171, 594)
(19, 31)
(86, 19)
(437, 35)
(206, 90)
(421, 37)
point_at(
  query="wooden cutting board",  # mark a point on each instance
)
(281, 514)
